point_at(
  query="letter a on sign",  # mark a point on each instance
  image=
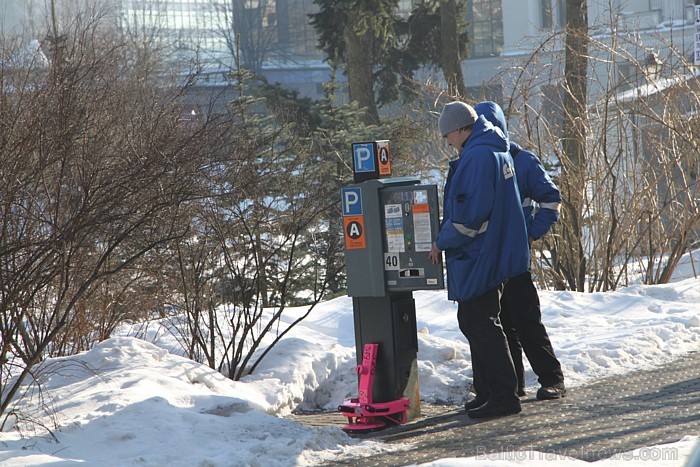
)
(354, 232)
(384, 157)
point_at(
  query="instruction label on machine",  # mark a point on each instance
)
(393, 219)
(422, 227)
(411, 224)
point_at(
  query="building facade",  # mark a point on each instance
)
(275, 39)
(506, 33)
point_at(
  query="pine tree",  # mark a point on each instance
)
(376, 45)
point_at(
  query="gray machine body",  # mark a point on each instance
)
(390, 226)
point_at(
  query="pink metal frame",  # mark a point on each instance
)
(362, 413)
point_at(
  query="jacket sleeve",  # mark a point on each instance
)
(546, 194)
(471, 200)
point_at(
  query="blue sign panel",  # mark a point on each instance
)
(352, 201)
(363, 155)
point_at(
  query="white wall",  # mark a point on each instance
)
(11, 15)
(521, 23)
(522, 34)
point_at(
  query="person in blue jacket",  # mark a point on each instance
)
(484, 237)
(520, 305)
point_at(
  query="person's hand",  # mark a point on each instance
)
(434, 254)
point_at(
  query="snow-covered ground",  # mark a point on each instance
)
(132, 402)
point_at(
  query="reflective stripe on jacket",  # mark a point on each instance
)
(535, 184)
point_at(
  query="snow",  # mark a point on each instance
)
(654, 86)
(665, 455)
(129, 401)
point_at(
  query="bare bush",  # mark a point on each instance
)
(95, 171)
(633, 196)
(259, 243)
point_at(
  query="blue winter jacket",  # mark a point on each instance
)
(483, 230)
(540, 197)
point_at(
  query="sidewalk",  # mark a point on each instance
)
(612, 415)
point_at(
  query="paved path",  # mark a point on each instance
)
(613, 415)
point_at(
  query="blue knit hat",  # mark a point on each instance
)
(456, 115)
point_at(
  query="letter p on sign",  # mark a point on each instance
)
(363, 154)
(352, 201)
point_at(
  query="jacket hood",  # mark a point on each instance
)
(487, 136)
(493, 113)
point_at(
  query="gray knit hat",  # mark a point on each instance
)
(456, 115)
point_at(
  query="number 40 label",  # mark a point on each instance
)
(391, 261)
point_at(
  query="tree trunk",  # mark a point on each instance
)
(574, 138)
(358, 58)
(449, 57)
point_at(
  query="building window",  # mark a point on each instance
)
(485, 18)
(546, 14)
(552, 14)
(561, 13)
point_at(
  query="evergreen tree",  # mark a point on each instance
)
(453, 47)
(433, 35)
(358, 34)
(389, 50)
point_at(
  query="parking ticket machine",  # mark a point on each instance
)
(389, 227)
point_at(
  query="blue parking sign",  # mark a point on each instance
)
(363, 155)
(352, 201)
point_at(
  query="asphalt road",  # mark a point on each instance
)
(608, 417)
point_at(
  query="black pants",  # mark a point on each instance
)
(522, 323)
(494, 375)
